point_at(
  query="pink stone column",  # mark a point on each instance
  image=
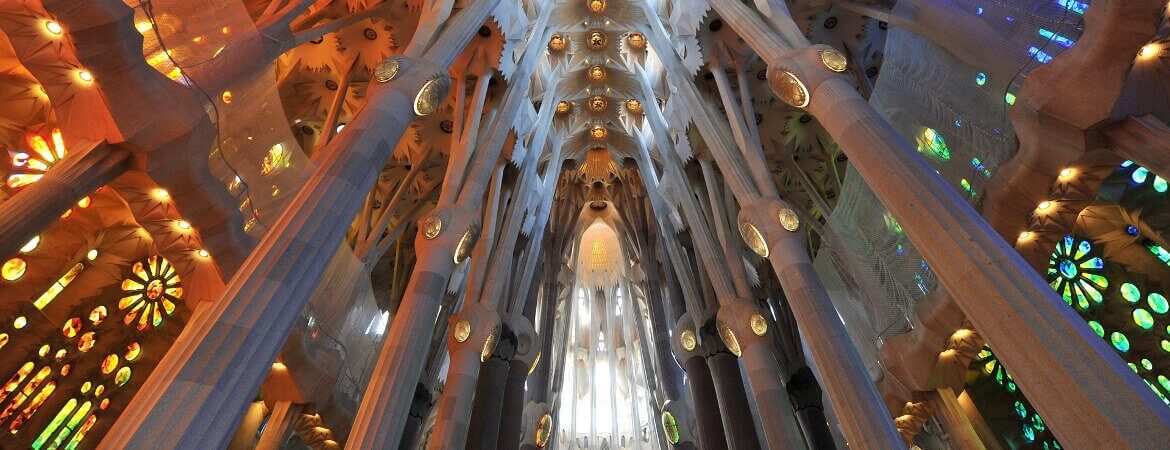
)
(224, 353)
(475, 331)
(280, 425)
(863, 416)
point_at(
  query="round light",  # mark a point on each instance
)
(92, 254)
(1044, 205)
(462, 330)
(788, 219)
(788, 87)
(31, 245)
(1150, 50)
(834, 60)
(85, 75)
(636, 40)
(1026, 235)
(432, 95)
(564, 107)
(226, 96)
(634, 106)
(754, 239)
(432, 227)
(597, 73)
(1067, 173)
(13, 269)
(84, 202)
(729, 339)
(759, 325)
(203, 253)
(597, 40)
(597, 103)
(596, 5)
(688, 341)
(598, 132)
(183, 224)
(387, 69)
(557, 43)
(20, 322)
(54, 27)
(161, 193)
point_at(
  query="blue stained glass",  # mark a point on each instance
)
(1139, 175)
(1131, 230)
(981, 79)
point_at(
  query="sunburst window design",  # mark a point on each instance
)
(1076, 274)
(28, 168)
(152, 291)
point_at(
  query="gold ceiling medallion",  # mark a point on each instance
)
(728, 336)
(788, 87)
(754, 239)
(788, 219)
(564, 107)
(688, 341)
(462, 330)
(636, 40)
(597, 40)
(598, 103)
(558, 43)
(432, 95)
(598, 132)
(597, 73)
(834, 60)
(466, 244)
(387, 69)
(759, 325)
(596, 5)
(432, 227)
(634, 106)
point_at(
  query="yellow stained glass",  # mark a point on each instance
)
(14, 269)
(86, 342)
(110, 363)
(53, 291)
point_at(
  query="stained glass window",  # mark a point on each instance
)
(152, 291)
(1076, 274)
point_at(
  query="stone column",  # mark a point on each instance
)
(699, 383)
(738, 424)
(474, 334)
(864, 417)
(420, 406)
(946, 408)
(744, 331)
(488, 406)
(280, 425)
(512, 414)
(85, 168)
(1082, 388)
(805, 395)
(224, 353)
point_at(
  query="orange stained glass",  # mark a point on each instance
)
(30, 166)
(151, 292)
(25, 393)
(97, 392)
(3, 339)
(17, 378)
(61, 355)
(86, 342)
(53, 291)
(32, 407)
(110, 363)
(98, 315)
(72, 327)
(14, 269)
(133, 352)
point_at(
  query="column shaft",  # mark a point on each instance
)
(489, 403)
(734, 409)
(454, 418)
(776, 415)
(280, 425)
(705, 404)
(512, 413)
(225, 351)
(947, 410)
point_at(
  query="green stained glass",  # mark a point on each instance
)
(1147, 364)
(1020, 410)
(1143, 318)
(1120, 342)
(1160, 184)
(1097, 328)
(1098, 280)
(1037, 422)
(54, 424)
(1029, 434)
(1158, 303)
(1165, 382)
(1132, 367)
(1165, 346)
(1130, 293)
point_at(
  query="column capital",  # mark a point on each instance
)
(770, 226)
(795, 77)
(448, 230)
(476, 328)
(742, 324)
